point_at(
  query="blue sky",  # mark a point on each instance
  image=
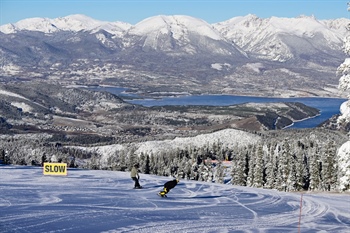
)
(133, 11)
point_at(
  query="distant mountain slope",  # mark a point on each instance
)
(244, 55)
(283, 39)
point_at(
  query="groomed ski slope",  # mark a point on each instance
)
(104, 201)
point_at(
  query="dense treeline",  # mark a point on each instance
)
(285, 165)
(283, 160)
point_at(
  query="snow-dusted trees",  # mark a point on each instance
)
(329, 167)
(258, 167)
(271, 166)
(219, 174)
(314, 170)
(145, 163)
(292, 181)
(239, 168)
(284, 160)
(344, 166)
(251, 166)
(300, 169)
(132, 157)
(289, 164)
(283, 166)
(344, 84)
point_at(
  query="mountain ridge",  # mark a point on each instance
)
(86, 22)
(76, 22)
(243, 55)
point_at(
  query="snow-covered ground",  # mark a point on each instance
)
(226, 137)
(104, 201)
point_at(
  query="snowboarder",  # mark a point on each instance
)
(135, 175)
(168, 186)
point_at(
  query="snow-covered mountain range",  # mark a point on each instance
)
(245, 54)
(276, 38)
(73, 23)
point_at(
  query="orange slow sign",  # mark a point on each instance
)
(59, 169)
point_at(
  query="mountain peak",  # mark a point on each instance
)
(178, 25)
(76, 22)
(181, 33)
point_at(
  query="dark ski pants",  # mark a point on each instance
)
(137, 184)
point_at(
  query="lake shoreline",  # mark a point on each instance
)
(159, 95)
(328, 106)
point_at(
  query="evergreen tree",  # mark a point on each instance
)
(133, 159)
(344, 84)
(283, 168)
(147, 167)
(271, 168)
(121, 161)
(343, 161)
(182, 173)
(328, 162)
(306, 172)
(188, 169)
(204, 173)
(153, 164)
(251, 166)
(292, 181)
(258, 167)
(279, 171)
(238, 169)
(299, 166)
(161, 164)
(314, 171)
(2, 155)
(219, 173)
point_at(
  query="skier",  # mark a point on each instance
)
(168, 186)
(135, 175)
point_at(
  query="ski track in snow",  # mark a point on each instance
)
(104, 201)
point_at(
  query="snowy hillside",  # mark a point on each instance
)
(104, 201)
(227, 138)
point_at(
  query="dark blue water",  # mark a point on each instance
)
(327, 106)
